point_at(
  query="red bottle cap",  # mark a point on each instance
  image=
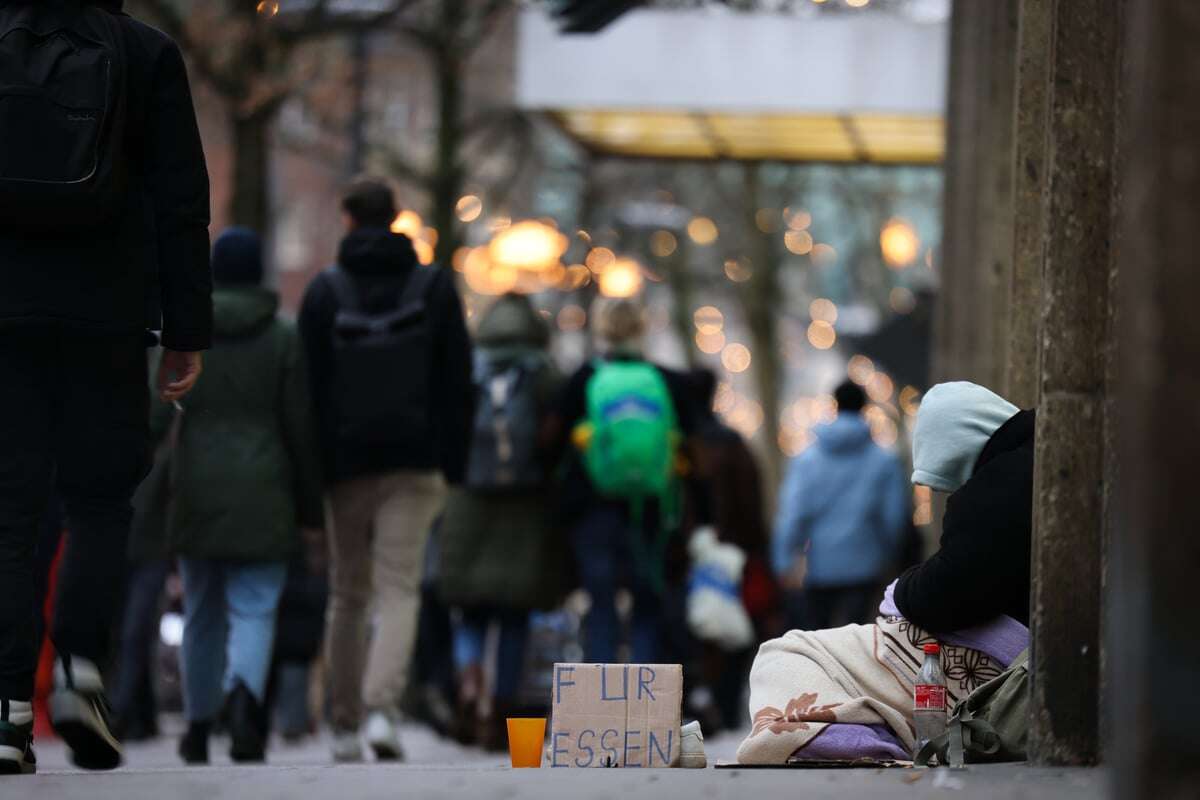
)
(932, 649)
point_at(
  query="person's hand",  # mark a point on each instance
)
(177, 374)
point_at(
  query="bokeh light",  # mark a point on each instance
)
(621, 278)
(529, 244)
(823, 309)
(823, 254)
(860, 369)
(910, 400)
(880, 387)
(468, 208)
(738, 269)
(409, 223)
(599, 258)
(711, 342)
(702, 230)
(798, 242)
(902, 300)
(767, 220)
(663, 243)
(572, 317)
(708, 319)
(899, 243)
(797, 220)
(821, 334)
(424, 251)
(736, 357)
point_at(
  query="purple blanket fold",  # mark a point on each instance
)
(1002, 639)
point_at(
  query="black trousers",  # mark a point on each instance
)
(817, 608)
(73, 417)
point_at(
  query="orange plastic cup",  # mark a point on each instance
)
(526, 737)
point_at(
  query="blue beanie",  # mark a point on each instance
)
(237, 257)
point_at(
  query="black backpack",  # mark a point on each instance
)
(62, 116)
(382, 364)
(504, 439)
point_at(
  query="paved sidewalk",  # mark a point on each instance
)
(439, 768)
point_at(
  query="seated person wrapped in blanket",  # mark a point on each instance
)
(847, 693)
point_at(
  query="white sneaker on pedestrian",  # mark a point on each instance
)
(347, 749)
(382, 737)
(691, 747)
(79, 714)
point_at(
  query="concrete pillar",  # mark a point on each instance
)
(1029, 214)
(1069, 474)
(972, 318)
(1153, 643)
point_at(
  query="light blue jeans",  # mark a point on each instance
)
(229, 630)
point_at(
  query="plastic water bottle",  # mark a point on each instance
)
(929, 698)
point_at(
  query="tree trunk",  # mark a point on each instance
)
(447, 182)
(677, 272)
(250, 203)
(760, 299)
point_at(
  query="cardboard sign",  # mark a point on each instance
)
(616, 715)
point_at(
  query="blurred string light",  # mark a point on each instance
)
(424, 251)
(857, 3)
(902, 300)
(767, 220)
(621, 278)
(724, 398)
(823, 254)
(468, 208)
(599, 258)
(710, 342)
(798, 242)
(584, 236)
(880, 387)
(577, 276)
(497, 224)
(736, 357)
(742, 414)
(268, 8)
(708, 319)
(738, 269)
(528, 245)
(702, 230)
(572, 317)
(910, 400)
(459, 259)
(899, 243)
(823, 309)
(860, 369)
(663, 243)
(409, 223)
(883, 428)
(821, 334)
(797, 220)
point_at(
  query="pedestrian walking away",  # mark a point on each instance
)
(842, 511)
(390, 365)
(246, 480)
(104, 236)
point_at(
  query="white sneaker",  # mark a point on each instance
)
(691, 747)
(382, 737)
(347, 749)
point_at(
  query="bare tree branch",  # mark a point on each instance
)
(174, 25)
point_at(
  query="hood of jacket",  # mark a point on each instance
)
(243, 310)
(954, 424)
(376, 251)
(512, 321)
(846, 434)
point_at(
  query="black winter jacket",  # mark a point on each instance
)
(982, 568)
(381, 262)
(151, 269)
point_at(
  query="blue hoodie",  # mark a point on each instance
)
(845, 500)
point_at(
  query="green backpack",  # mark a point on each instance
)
(989, 724)
(631, 446)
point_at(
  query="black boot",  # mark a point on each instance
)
(193, 747)
(247, 743)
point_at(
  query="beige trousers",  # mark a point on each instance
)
(379, 527)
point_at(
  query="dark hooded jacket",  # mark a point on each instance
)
(381, 262)
(500, 548)
(246, 469)
(150, 268)
(982, 567)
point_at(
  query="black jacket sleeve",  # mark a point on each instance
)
(177, 180)
(315, 322)
(982, 568)
(452, 388)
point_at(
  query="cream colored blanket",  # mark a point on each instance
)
(860, 674)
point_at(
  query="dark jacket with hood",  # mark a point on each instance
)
(982, 568)
(380, 262)
(246, 469)
(150, 268)
(500, 548)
